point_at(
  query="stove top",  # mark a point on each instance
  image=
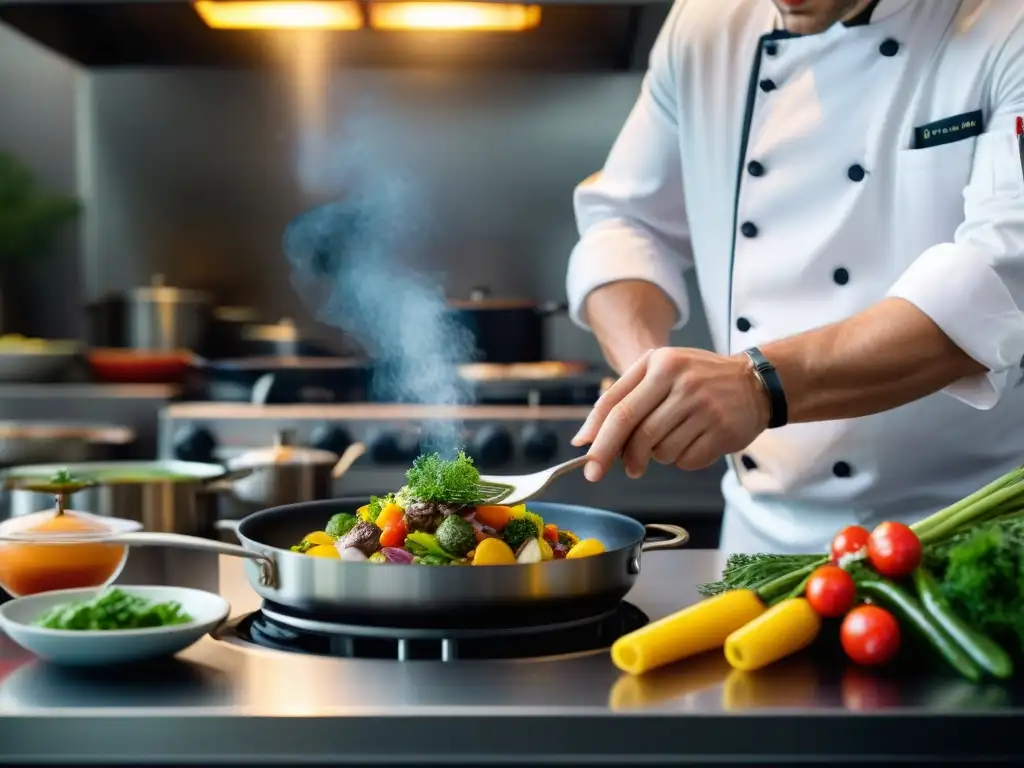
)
(280, 628)
(541, 383)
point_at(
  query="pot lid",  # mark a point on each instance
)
(78, 524)
(160, 293)
(112, 473)
(283, 453)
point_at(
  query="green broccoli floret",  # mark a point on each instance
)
(455, 536)
(340, 524)
(302, 547)
(518, 531)
(432, 478)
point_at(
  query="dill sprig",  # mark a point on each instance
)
(432, 478)
(759, 572)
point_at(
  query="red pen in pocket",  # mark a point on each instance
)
(1020, 142)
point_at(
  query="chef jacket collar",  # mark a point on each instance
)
(875, 12)
(864, 17)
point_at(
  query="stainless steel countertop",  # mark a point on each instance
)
(222, 703)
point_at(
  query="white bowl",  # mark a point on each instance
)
(110, 646)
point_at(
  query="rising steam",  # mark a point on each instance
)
(354, 260)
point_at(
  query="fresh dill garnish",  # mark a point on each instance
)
(756, 571)
(432, 478)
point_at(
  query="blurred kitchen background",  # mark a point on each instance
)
(166, 300)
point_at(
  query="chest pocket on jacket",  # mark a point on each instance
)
(930, 196)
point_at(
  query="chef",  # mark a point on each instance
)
(842, 178)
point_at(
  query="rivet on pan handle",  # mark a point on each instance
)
(677, 537)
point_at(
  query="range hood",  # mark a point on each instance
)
(571, 36)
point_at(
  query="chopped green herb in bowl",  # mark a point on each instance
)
(113, 609)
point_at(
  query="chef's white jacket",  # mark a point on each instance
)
(805, 178)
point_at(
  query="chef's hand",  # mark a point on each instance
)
(679, 406)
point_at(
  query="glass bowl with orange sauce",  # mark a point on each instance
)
(60, 549)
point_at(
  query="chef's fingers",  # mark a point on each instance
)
(673, 411)
(687, 430)
(623, 418)
(701, 454)
(612, 397)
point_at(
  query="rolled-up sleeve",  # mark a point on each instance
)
(631, 216)
(973, 288)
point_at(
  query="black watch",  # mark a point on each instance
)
(778, 409)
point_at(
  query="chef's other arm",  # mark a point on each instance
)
(625, 279)
(951, 322)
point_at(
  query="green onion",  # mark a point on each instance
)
(978, 503)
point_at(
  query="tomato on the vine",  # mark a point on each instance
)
(849, 541)
(894, 550)
(870, 635)
(830, 591)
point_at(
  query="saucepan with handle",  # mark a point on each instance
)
(399, 594)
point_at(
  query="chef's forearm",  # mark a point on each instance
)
(887, 356)
(628, 318)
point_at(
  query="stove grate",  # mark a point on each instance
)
(269, 629)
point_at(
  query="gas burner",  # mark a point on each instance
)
(283, 629)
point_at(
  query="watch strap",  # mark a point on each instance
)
(778, 408)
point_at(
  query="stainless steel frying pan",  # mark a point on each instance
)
(375, 592)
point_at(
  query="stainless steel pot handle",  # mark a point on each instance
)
(143, 539)
(268, 576)
(677, 537)
(230, 526)
(226, 481)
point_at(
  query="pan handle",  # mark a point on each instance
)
(143, 539)
(677, 537)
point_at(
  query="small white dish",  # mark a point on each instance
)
(110, 646)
